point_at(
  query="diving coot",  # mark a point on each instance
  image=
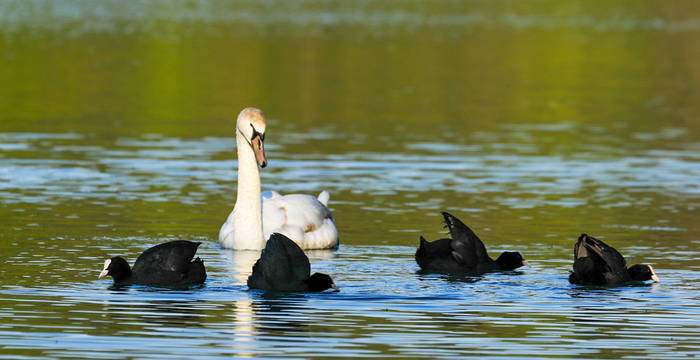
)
(597, 263)
(464, 252)
(283, 266)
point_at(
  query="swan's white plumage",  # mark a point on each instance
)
(303, 218)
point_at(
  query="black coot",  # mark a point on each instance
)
(165, 264)
(283, 266)
(464, 252)
(597, 263)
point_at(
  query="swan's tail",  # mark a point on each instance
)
(323, 197)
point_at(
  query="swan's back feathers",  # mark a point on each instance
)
(301, 210)
(302, 218)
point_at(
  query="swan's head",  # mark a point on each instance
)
(251, 125)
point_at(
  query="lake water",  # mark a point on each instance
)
(531, 121)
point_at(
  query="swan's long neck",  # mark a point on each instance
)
(247, 219)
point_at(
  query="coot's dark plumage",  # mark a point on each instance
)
(283, 266)
(597, 263)
(165, 264)
(464, 252)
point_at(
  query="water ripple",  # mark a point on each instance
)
(171, 164)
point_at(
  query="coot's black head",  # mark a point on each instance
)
(510, 260)
(320, 282)
(117, 268)
(642, 273)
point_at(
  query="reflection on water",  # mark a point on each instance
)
(384, 309)
(241, 264)
(531, 121)
(243, 329)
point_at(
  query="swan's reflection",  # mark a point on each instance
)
(279, 312)
(240, 266)
(265, 314)
(241, 263)
(243, 329)
(264, 311)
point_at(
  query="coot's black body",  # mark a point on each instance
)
(464, 252)
(168, 264)
(283, 266)
(597, 263)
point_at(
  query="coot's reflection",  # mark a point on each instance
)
(265, 313)
(143, 313)
(461, 277)
(424, 275)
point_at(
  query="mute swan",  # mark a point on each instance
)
(303, 218)
(597, 263)
(463, 253)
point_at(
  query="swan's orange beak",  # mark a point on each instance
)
(259, 150)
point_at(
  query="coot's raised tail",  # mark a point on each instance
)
(464, 252)
(597, 263)
(283, 266)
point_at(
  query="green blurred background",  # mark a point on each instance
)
(503, 82)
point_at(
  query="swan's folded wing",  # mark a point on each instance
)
(273, 214)
(295, 210)
(305, 211)
(172, 256)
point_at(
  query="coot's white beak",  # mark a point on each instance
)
(105, 271)
(653, 275)
(335, 287)
(525, 263)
